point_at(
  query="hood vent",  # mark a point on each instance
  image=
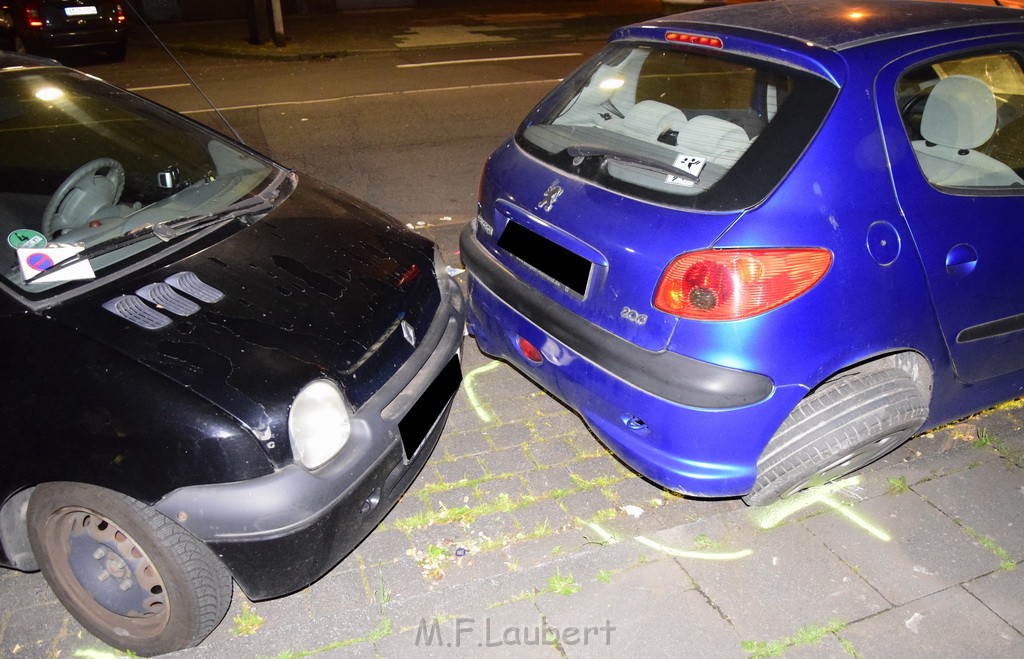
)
(190, 284)
(133, 309)
(162, 295)
(165, 295)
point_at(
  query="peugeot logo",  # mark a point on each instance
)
(409, 333)
(551, 195)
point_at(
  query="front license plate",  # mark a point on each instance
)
(80, 11)
(419, 420)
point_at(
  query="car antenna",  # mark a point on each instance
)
(216, 110)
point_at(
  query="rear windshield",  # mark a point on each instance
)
(679, 127)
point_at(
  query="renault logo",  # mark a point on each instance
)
(409, 333)
(551, 195)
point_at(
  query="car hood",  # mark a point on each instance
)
(320, 287)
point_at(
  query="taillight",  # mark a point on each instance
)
(32, 15)
(120, 14)
(731, 284)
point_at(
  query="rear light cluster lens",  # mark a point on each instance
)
(120, 14)
(696, 39)
(530, 351)
(732, 284)
(32, 15)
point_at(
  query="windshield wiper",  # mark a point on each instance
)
(165, 231)
(171, 229)
(640, 159)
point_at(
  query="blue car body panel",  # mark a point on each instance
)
(916, 268)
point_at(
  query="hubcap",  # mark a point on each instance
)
(849, 462)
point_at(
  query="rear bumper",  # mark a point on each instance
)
(281, 532)
(690, 426)
(47, 40)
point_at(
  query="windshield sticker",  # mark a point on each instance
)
(692, 165)
(35, 261)
(26, 238)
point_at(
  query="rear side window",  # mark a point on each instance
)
(965, 120)
(679, 127)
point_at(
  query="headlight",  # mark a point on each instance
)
(319, 423)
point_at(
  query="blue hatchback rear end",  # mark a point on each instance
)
(696, 242)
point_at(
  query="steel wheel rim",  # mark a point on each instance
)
(106, 572)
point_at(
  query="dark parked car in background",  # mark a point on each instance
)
(759, 246)
(218, 370)
(51, 27)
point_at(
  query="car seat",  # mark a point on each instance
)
(959, 116)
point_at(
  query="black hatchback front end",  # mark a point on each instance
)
(233, 371)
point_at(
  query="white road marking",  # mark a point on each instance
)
(483, 60)
(335, 99)
(152, 87)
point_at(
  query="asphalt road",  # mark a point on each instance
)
(405, 131)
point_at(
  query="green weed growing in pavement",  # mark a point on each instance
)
(984, 438)
(898, 485)
(1006, 562)
(384, 628)
(605, 576)
(704, 543)
(848, 648)
(584, 484)
(383, 594)
(811, 634)
(562, 585)
(246, 622)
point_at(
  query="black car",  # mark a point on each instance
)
(216, 369)
(53, 26)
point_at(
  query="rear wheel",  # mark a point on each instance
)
(129, 575)
(844, 425)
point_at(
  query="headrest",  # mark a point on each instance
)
(960, 113)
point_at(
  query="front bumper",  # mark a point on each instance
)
(281, 532)
(690, 426)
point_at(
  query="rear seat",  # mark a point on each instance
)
(721, 142)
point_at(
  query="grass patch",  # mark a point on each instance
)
(704, 543)
(898, 485)
(809, 635)
(562, 585)
(247, 622)
(1006, 562)
(605, 576)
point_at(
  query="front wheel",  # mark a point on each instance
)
(129, 575)
(844, 425)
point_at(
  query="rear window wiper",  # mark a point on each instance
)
(165, 231)
(640, 159)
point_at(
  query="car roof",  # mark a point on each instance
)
(840, 24)
(9, 60)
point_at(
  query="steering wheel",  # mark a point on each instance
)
(82, 194)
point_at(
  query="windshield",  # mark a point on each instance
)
(82, 164)
(679, 127)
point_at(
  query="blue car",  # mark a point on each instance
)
(757, 247)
